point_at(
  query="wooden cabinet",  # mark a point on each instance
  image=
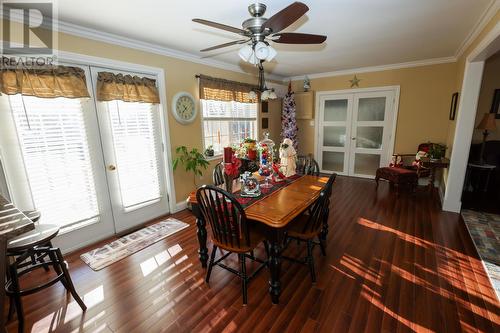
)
(304, 102)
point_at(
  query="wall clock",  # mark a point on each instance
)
(184, 108)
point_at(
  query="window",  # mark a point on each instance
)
(134, 134)
(227, 123)
(53, 139)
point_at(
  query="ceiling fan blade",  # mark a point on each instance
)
(285, 17)
(220, 26)
(224, 45)
(298, 38)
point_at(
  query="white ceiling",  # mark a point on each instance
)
(361, 33)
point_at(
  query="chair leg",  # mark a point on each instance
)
(322, 246)
(67, 278)
(17, 298)
(266, 247)
(252, 254)
(310, 260)
(243, 277)
(211, 263)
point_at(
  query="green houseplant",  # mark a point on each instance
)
(437, 151)
(193, 161)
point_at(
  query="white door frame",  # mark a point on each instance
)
(160, 75)
(321, 94)
(467, 110)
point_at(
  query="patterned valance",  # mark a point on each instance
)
(126, 88)
(45, 82)
(224, 90)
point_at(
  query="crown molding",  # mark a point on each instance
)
(93, 34)
(487, 15)
(427, 62)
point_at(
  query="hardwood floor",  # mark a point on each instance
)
(392, 265)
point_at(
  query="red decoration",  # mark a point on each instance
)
(232, 169)
(252, 154)
(228, 154)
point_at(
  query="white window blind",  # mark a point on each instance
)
(228, 123)
(134, 128)
(53, 139)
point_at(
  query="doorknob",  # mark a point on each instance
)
(111, 167)
(353, 138)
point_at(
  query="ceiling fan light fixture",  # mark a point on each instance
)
(253, 59)
(265, 95)
(271, 53)
(252, 94)
(272, 94)
(261, 50)
(245, 52)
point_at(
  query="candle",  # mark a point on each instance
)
(228, 154)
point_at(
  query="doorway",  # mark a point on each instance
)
(94, 168)
(355, 130)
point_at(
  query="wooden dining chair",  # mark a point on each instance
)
(218, 174)
(230, 232)
(307, 165)
(310, 226)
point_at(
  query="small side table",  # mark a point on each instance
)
(482, 169)
(433, 165)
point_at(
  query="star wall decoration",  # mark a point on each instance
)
(355, 82)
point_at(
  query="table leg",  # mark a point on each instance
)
(432, 177)
(275, 266)
(202, 236)
(3, 261)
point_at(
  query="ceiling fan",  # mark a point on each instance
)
(258, 31)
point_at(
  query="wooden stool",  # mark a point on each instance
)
(35, 244)
(398, 177)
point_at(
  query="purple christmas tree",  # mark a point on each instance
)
(288, 122)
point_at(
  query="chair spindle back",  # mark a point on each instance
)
(225, 215)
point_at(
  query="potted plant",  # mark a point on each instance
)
(209, 152)
(436, 151)
(193, 161)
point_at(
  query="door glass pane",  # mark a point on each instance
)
(336, 110)
(371, 109)
(369, 137)
(135, 142)
(333, 161)
(366, 164)
(53, 138)
(334, 136)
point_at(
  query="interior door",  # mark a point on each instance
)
(335, 113)
(371, 132)
(133, 154)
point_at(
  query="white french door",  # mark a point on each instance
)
(355, 131)
(133, 149)
(94, 168)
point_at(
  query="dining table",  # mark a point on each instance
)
(274, 210)
(12, 223)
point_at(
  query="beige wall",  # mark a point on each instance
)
(490, 82)
(423, 104)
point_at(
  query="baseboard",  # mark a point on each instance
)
(180, 206)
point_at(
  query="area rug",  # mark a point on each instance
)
(121, 248)
(484, 229)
